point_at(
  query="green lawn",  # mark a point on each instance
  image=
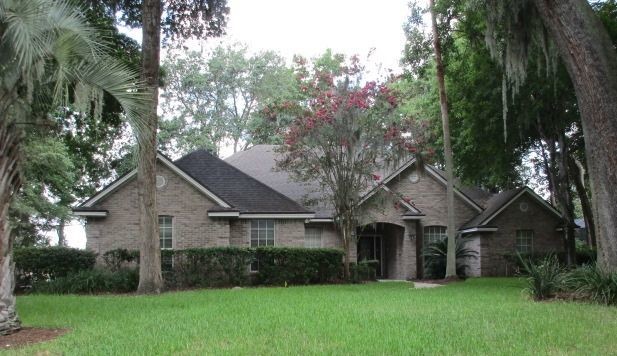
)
(486, 316)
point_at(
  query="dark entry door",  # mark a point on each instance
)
(371, 247)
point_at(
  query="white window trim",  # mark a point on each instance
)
(516, 243)
(249, 228)
(249, 231)
(173, 233)
(424, 241)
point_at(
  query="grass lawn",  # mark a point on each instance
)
(480, 316)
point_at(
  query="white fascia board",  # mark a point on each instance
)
(456, 190)
(103, 193)
(189, 179)
(169, 164)
(98, 214)
(223, 214)
(276, 216)
(533, 195)
(413, 217)
(388, 179)
(478, 229)
(402, 201)
(319, 220)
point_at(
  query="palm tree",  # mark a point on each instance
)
(50, 57)
(435, 255)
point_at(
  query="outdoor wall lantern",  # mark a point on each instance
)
(412, 237)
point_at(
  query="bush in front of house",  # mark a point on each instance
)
(363, 271)
(592, 283)
(435, 258)
(120, 257)
(206, 267)
(34, 264)
(295, 265)
(92, 281)
(544, 278)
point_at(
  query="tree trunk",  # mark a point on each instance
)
(591, 61)
(10, 181)
(565, 196)
(443, 101)
(60, 232)
(150, 279)
(579, 183)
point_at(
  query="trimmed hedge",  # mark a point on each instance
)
(116, 259)
(291, 265)
(206, 267)
(90, 282)
(47, 263)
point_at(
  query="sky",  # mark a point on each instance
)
(308, 28)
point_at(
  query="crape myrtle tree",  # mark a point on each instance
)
(176, 20)
(51, 58)
(344, 132)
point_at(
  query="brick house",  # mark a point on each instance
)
(244, 201)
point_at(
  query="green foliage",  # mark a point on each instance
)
(363, 271)
(593, 283)
(117, 258)
(293, 265)
(543, 278)
(91, 282)
(47, 263)
(585, 254)
(207, 267)
(489, 316)
(217, 98)
(435, 258)
(48, 179)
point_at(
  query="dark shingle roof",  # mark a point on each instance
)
(492, 206)
(235, 187)
(260, 163)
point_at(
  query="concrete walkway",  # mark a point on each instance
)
(419, 285)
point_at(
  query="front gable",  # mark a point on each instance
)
(91, 206)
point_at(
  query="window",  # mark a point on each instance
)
(262, 234)
(524, 241)
(166, 232)
(434, 234)
(312, 237)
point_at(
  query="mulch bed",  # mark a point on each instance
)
(27, 336)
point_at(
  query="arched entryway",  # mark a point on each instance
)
(382, 242)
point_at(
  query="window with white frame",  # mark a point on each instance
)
(434, 234)
(166, 232)
(524, 241)
(262, 233)
(312, 237)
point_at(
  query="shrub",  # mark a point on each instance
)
(44, 263)
(543, 278)
(593, 283)
(206, 267)
(585, 254)
(116, 259)
(362, 271)
(91, 281)
(435, 258)
(292, 265)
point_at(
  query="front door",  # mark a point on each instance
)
(371, 247)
